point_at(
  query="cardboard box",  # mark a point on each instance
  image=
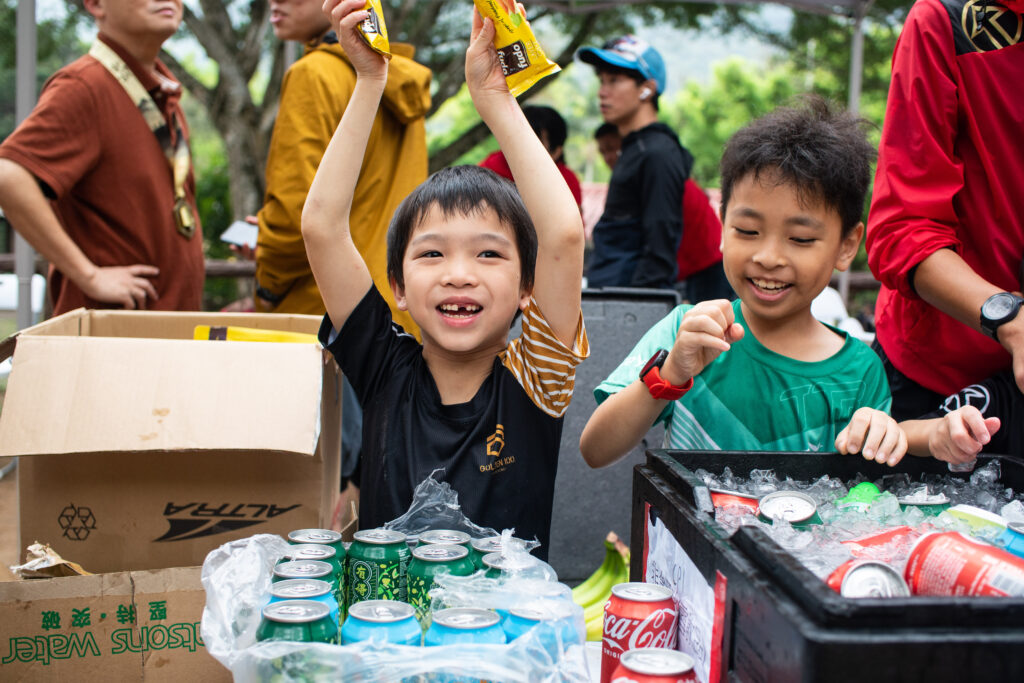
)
(143, 449)
(125, 626)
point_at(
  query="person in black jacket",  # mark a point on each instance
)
(636, 239)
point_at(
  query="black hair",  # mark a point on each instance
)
(464, 190)
(605, 68)
(606, 129)
(817, 146)
(543, 118)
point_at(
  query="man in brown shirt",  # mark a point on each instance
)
(90, 184)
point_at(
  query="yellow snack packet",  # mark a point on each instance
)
(374, 30)
(250, 334)
(522, 60)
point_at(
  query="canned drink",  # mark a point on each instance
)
(464, 625)
(326, 537)
(951, 563)
(321, 553)
(557, 629)
(378, 562)
(795, 507)
(445, 537)
(386, 621)
(306, 589)
(721, 498)
(500, 565)
(637, 615)
(654, 665)
(868, 579)
(300, 621)
(979, 519)
(304, 569)
(1012, 539)
(869, 545)
(488, 545)
(427, 562)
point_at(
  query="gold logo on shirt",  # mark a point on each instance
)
(989, 26)
(495, 444)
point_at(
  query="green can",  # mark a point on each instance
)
(299, 621)
(321, 553)
(378, 561)
(319, 537)
(446, 537)
(499, 565)
(427, 562)
(486, 546)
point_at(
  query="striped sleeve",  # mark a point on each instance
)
(544, 366)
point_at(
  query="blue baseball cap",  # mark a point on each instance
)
(628, 52)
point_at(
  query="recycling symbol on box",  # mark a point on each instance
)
(76, 522)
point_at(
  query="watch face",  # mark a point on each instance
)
(657, 360)
(997, 307)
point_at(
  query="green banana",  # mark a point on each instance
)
(586, 588)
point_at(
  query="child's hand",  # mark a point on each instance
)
(483, 68)
(345, 16)
(875, 435)
(957, 437)
(706, 331)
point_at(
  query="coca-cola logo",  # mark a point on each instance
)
(655, 630)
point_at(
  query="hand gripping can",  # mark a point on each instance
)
(951, 563)
(306, 589)
(464, 625)
(637, 615)
(321, 553)
(386, 621)
(378, 562)
(446, 537)
(427, 562)
(654, 665)
(300, 621)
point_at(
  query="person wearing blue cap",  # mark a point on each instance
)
(636, 239)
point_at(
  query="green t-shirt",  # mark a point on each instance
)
(753, 399)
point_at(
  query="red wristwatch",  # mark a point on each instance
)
(659, 388)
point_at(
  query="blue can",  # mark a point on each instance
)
(554, 624)
(1012, 539)
(465, 625)
(306, 589)
(388, 621)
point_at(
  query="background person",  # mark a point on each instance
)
(946, 229)
(699, 275)
(637, 236)
(103, 192)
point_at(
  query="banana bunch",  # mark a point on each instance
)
(596, 589)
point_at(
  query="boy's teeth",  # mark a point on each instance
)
(769, 284)
(456, 308)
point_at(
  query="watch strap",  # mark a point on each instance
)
(660, 388)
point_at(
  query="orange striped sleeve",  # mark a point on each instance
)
(543, 365)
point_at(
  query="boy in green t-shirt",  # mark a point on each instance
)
(761, 373)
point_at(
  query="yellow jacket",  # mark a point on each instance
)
(314, 94)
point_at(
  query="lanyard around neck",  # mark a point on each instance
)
(178, 155)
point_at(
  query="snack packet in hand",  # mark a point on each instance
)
(374, 30)
(522, 60)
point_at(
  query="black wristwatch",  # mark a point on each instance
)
(997, 310)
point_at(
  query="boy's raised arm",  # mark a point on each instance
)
(339, 269)
(543, 189)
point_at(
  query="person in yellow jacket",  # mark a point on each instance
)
(314, 95)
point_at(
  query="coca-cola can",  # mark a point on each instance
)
(951, 563)
(867, 579)
(654, 665)
(638, 615)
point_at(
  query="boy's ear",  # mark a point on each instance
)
(848, 247)
(524, 299)
(399, 293)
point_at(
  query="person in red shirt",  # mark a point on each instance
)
(550, 127)
(699, 259)
(946, 231)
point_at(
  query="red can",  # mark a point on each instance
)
(867, 579)
(655, 665)
(638, 615)
(954, 564)
(866, 546)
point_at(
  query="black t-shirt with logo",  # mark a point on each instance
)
(499, 451)
(997, 396)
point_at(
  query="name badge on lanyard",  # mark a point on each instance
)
(178, 155)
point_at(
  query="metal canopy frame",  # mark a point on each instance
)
(25, 88)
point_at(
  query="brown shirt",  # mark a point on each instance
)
(111, 184)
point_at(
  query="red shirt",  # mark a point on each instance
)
(111, 184)
(701, 245)
(950, 174)
(497, 163)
